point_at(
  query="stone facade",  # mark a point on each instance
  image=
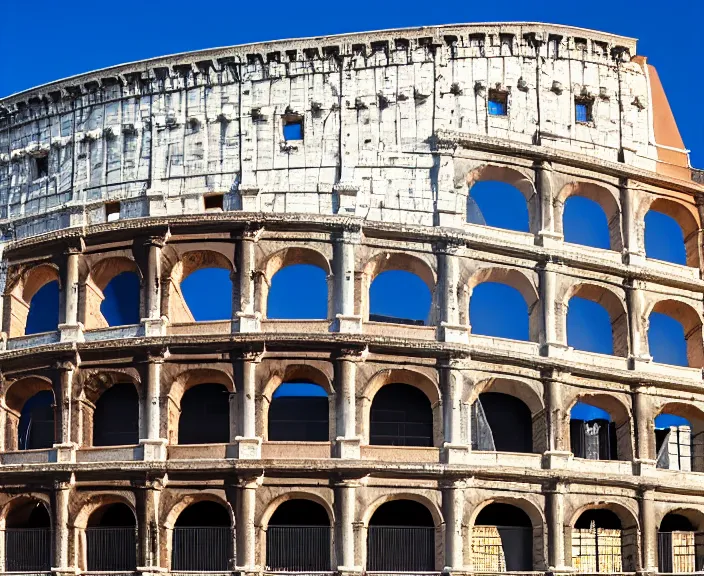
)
(170, 165)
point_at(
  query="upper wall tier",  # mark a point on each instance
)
(160, 134)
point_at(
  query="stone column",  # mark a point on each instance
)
(548, 331)
(153, 323)
(455, 447)
(62, 382)
(448, 279)
(62, 535)
(645, 451)
(344, 280)
(246, 499)
(154, 445)
(71, 329)
(555, 512)
(148, 496)
(453, 512)
(649, 531)
(345, 500)
(633, 253)
(543, 183)
(699, 199)
(246, 319)
(637, 323)
(347, 441)
(248, 444)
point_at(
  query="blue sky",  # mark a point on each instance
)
(53, 40)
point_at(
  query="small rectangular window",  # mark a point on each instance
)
(112, 211)
(41, 167)
(213, 202)
(293, 128)
(583, 111)
(498, 103)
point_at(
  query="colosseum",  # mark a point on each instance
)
(161, 441)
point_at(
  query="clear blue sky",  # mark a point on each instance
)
(48, 40)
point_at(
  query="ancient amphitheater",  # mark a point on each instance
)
(162, 445)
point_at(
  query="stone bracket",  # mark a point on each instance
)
(347, 324)
(347, 448)
(456, 333)
(245, 448)
(65, 452)
(455, 453)
(247, 322)
(154, 326)
(71, 332)
(153, 449)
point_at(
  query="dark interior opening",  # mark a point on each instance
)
(111, 539)
(116, 417)
(401, 415)
(676, 523)
(601, 519)
(593, 439)
(205, 415)
(298, 537)
(204, 514)
(299, 512)
(214, 201)
(498, 514)
(515, 531)
(299, 416)
(402, 513)
(28, 538)
(202, 539)
(509, 421)
(36, 426)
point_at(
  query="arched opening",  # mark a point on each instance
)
(36, 425)
(298, 291)
(501, 423)
(680, 547)
(678, 442)
(208, 294)
(401, 415)
(298, 538)
(502, 540)
(111, 539)
(203, 539)
(589, 326)
(28, 537)
(597, 543)
(401, 538)
(499, 205)
(299, 412)
(664, 238)
(592, 433)
(666, 340)
(120, 305)
(386, 306)
(116, 417)
(205, 415)
(43, 315)
(500, 311)
(585, 223)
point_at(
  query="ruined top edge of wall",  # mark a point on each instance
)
(532, 33)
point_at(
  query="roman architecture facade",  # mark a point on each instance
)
(156, 445)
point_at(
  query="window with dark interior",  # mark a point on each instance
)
(213, 202)
(592, 433)
(28, 538)
(202, 539)
(498, 103)
(299, 412)
(112, 211)
(205, 415)
(501, 423)
(111, 539)
(116, 417)
(401, 415)
(36, 427)
(502, 540)
(41, 167)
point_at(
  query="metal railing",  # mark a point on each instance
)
(27, 550)
(677, 553)
(202, 549)
(298, 549)
(401, 549)
(111, 549)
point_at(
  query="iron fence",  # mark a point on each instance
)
(111, 549)
(596, 550)
(298, 549)
(202, 549)
(677, 553)
(27, 550)
(401, 549)
(502, 548)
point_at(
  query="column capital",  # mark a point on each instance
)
(352, 353)
(553, 374)
(350, 232)
(254, 355)
(456, 361)
(66, 365)
(75, 245)
(450, 246)
(249, 482)
(250, 232)
(157, 355)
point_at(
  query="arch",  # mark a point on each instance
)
(298, 291)
(203, 526)
(205, 415)
(300, 414)
(189, 500)
(691, 323)
(385, 306)
(426, 502)
(663, 238)
(401, 536)
(668, 455)
(585, 223)
(109, 297)
(27, 535)
(502, 423)
(520, 389)
(620, 417)
(498, 205)
(21, 289)
(687, 219)
(604, 197)
(17, 396)
(271, 508)
(609, 301)
(298, 536)
(116, 416)
(491, 306)
(111, 538)
(401, 415)
(190, 262)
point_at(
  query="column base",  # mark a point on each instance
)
(633, 258)
(554, 350)
(154, 326)
(66, 571)
(644, 467)
(153, 449)
(71, 332)
(448, 219)
(455, 453)
(549, 239)
(65, 452)
(151, 570)
(347, 448)
(247, 570)
(639, 362)
(347, 324)
(349, 570)
(245, 448)
(556, 459)
(247, 322)
(456, 333)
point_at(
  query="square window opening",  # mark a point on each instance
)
(214, 202)
(583, 111)
(293, 128)
(112, 211)
(41, 167)
(498, 103)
